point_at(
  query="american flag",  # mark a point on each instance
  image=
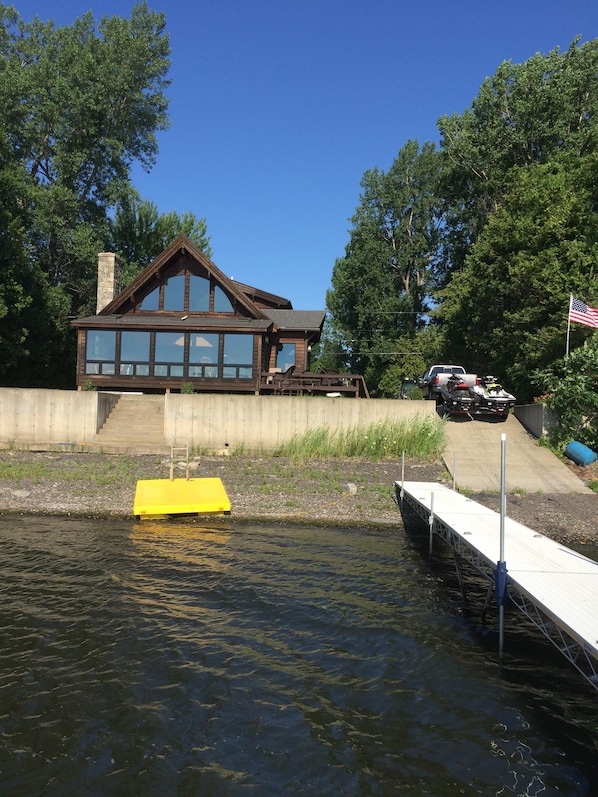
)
(582, 313)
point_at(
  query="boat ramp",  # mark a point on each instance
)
(554, 586)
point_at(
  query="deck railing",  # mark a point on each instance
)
(293, 383)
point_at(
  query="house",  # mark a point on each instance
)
(183, 322)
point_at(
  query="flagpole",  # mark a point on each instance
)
(569, 323)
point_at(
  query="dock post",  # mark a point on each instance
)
(501, 567)
(402, 476)
(431, 523)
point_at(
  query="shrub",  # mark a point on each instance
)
(570, 390)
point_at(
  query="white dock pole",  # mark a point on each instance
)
(501, 568)
(431, 522)
(503, 496)
(402, 476)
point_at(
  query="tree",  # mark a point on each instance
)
(525, 114)
(15, 287)
(77, 107)
(380, 287)
(140, 233)
(505, 312)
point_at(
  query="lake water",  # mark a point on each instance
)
(174, 659)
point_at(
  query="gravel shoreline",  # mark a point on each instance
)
(268, 489)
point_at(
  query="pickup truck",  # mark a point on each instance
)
(438, 375)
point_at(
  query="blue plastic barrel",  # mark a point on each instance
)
(580, 454)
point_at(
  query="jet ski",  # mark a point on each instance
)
(458, 398)
(493, 398)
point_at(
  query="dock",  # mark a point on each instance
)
(554, 586)
(162, 498)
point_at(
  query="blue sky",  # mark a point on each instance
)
(278, 107)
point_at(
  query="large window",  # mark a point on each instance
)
(174, 293)
(199, 294)
(170, 354)
(134, 353)
(286, 356)
(151, 301)
(100, 352)
(238, 357)
(203, 355)
(182, 355)
(221, 301)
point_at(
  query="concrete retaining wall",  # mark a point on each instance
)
(536, 418)
(37, 418)
(40, 418)
(215, 421)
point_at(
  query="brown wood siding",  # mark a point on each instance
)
(81, 351)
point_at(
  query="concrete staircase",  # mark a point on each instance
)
(135, 426)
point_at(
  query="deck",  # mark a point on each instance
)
(555, 587)
(306, 383)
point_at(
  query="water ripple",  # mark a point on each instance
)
(148, 659)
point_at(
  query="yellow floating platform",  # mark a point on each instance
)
(155, 498)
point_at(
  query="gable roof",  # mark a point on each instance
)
(264, 311)
(181, 246)
(264, 299)
(298, 320)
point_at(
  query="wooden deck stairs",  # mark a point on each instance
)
(135, 426)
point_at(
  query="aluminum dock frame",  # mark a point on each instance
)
(554, 586)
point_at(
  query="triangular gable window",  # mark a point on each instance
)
(199, 294)
(151, 301)
(221, 301)
(174, 294)
(187, 293)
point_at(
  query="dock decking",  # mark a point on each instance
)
(556, 587)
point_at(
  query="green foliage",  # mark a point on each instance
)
(379, 287)
(526, 114)
(331, 352)
(507, 308)
(413, 393)
(140, 233)
(571, 385)
(16, 280)
(187, 387)
(78, 105)
(423, 439)
(499, 225)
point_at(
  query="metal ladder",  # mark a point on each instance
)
(179, 450)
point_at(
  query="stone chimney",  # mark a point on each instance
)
(108, 278)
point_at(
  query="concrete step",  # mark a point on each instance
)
(135, 426)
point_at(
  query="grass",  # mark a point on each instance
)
(101, 473)
(25, 470)
(423, 439)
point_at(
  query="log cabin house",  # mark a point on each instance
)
(182, 322)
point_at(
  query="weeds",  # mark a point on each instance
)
(102, 472)
(423, 439)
